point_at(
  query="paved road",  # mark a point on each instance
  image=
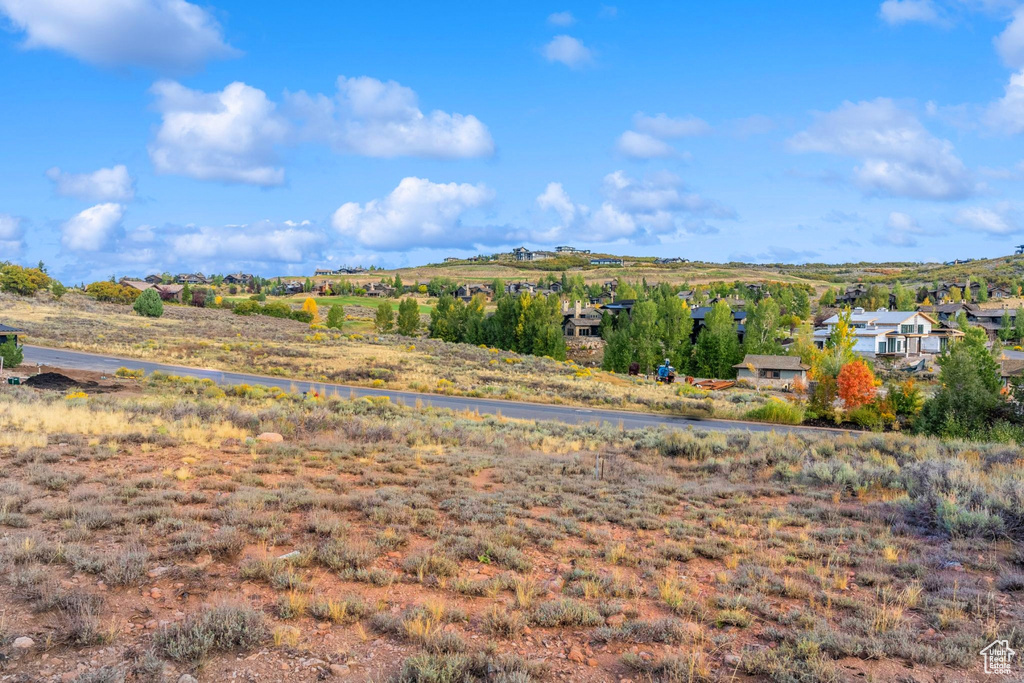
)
(511, 409)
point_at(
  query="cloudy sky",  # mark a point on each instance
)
(150, 135)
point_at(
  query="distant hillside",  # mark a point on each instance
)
(1003, 269)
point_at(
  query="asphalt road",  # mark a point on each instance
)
(511, 409)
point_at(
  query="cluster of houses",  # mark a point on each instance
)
(937, 295)
(345, 270)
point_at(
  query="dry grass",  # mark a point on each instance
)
(442, 532)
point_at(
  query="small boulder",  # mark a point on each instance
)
(616, 620)
(23, 643)
(187, 678)
(339, 670)
(733, 660)
(270, 437)
(576, 655)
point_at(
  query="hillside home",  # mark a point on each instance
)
(570, 250)
(606, 261)
(580, 321)
(524, 254)
(775, 370)
(891, 333)
(154, 279)
(246, 278)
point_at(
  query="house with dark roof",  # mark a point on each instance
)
(8, 333)
(700, 313)
(580, 321)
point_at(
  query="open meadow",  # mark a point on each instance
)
(216, 338)
(152, 532)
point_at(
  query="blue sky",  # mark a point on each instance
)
(150, 135)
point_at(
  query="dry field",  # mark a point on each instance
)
(215, 338)
(146, 534)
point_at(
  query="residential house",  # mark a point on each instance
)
(190, 279)
(606, 261)
(8, 333)
(140, 285)
(1008, 369)
(776, 370)
(247, 279)
(170, 292)
(520, 287)
(671, 259)
(580, 321)
(294, 287)
(154, 279)
(318, 271)
(686, 295)
(452, 259)
(570, 250)
(524, 254)
(379, 290)
(891, 333)
(1000, 292)
(851, 295)
(700, 313)
(467, 292)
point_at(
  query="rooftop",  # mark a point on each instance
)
(772, 362)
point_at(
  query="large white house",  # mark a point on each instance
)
(891, 333)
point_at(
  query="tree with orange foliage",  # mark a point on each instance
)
(856, 384)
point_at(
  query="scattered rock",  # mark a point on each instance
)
(270, 437)
(616, 620)
(187, 678)
(576, 655)
(733, 660)
(23, 643)
(339, 670)
(290, 556)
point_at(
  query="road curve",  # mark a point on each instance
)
(486, 406)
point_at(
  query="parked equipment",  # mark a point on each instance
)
(666, 373)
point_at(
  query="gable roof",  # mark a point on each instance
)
(767, 362)
(884, 317)
(7, 329)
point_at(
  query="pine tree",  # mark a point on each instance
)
(149, 304)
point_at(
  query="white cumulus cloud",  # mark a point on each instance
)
(643, 146)
(105, 184)
(230, 135)
(161, 34)
(897, 12)
(1010, 43)
(263, 241)
(569, 51)
(997, 221)
(898, 156)
(1006, 115)
(92, 229)
(383, 119)
(901, 230)
(638, 209)
(561, 19)
(418, 213)
(649, 138)
(11, 233)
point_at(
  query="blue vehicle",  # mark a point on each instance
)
(666, 373)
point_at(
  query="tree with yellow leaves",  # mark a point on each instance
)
(309, 306)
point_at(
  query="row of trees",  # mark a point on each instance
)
(662, 327)
(525, 324)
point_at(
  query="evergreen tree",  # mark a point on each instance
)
(399, 287)
(968, 398)
(186, 295)
(802, 304)
(905, 298)
(408, 317)
(718, 346)
(384, 320)
(1018, 325)
(149, 304)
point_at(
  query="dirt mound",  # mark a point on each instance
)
(57, 382)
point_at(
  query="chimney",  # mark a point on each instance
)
(578, 308)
